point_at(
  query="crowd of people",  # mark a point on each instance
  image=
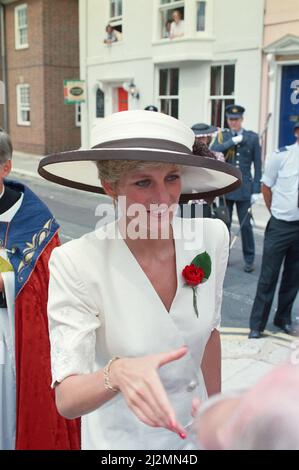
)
(103, 372)
(173, 28)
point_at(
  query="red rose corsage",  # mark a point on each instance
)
(196, 273)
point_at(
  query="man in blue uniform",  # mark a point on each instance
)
(281, 244)
(241, 148)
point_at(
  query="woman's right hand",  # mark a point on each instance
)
(140, 384)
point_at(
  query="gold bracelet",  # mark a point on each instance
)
(106, 371)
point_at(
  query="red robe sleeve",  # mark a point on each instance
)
(38, 424)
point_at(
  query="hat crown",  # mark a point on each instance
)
(234, 109)
(141, 124)
(200, 127)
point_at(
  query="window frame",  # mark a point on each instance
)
(116, 20)
(222, 97)
(169, 97)
(164, 8)
(198, 31)
(117, 2)
(101, 92)
(18, 45)
(21, 107)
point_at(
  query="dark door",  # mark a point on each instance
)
(289, 111)
(100, 104)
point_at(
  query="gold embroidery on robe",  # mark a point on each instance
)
(32, 247)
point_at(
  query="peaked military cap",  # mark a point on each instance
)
(234, 111)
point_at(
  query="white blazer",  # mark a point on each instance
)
(101, 305)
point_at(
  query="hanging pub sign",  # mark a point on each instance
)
(74, 91)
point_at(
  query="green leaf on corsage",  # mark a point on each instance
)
(204, 262)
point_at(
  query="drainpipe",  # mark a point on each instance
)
(3, 65)
(83, 18)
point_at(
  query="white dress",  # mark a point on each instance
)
(101, 305)
(177, 29)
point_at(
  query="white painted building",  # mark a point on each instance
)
(215, 62)
(280, 77)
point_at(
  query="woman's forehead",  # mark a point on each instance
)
(152, 170)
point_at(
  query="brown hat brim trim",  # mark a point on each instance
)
(156, 155)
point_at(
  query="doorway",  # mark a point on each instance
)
(121, 97)
(289, 111)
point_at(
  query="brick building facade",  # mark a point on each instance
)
(42, 49)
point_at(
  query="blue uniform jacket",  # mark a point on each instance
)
(242, 155)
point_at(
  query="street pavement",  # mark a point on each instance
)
(243, 360)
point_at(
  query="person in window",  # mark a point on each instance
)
(177, 27)
(130, 349)
(111, 35)
(167, 29)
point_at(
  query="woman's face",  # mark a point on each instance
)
(176, 16)
(151, 187)
(203, 139)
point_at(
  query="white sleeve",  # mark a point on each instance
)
(73, 320)
(172, 26)
(273, 164)
(222, 253)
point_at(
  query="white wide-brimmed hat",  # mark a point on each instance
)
(143, 136)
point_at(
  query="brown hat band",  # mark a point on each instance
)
(155, 144)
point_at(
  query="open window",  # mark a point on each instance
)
(171, 14)
(114, 29)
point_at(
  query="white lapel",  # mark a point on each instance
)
(133, 303)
